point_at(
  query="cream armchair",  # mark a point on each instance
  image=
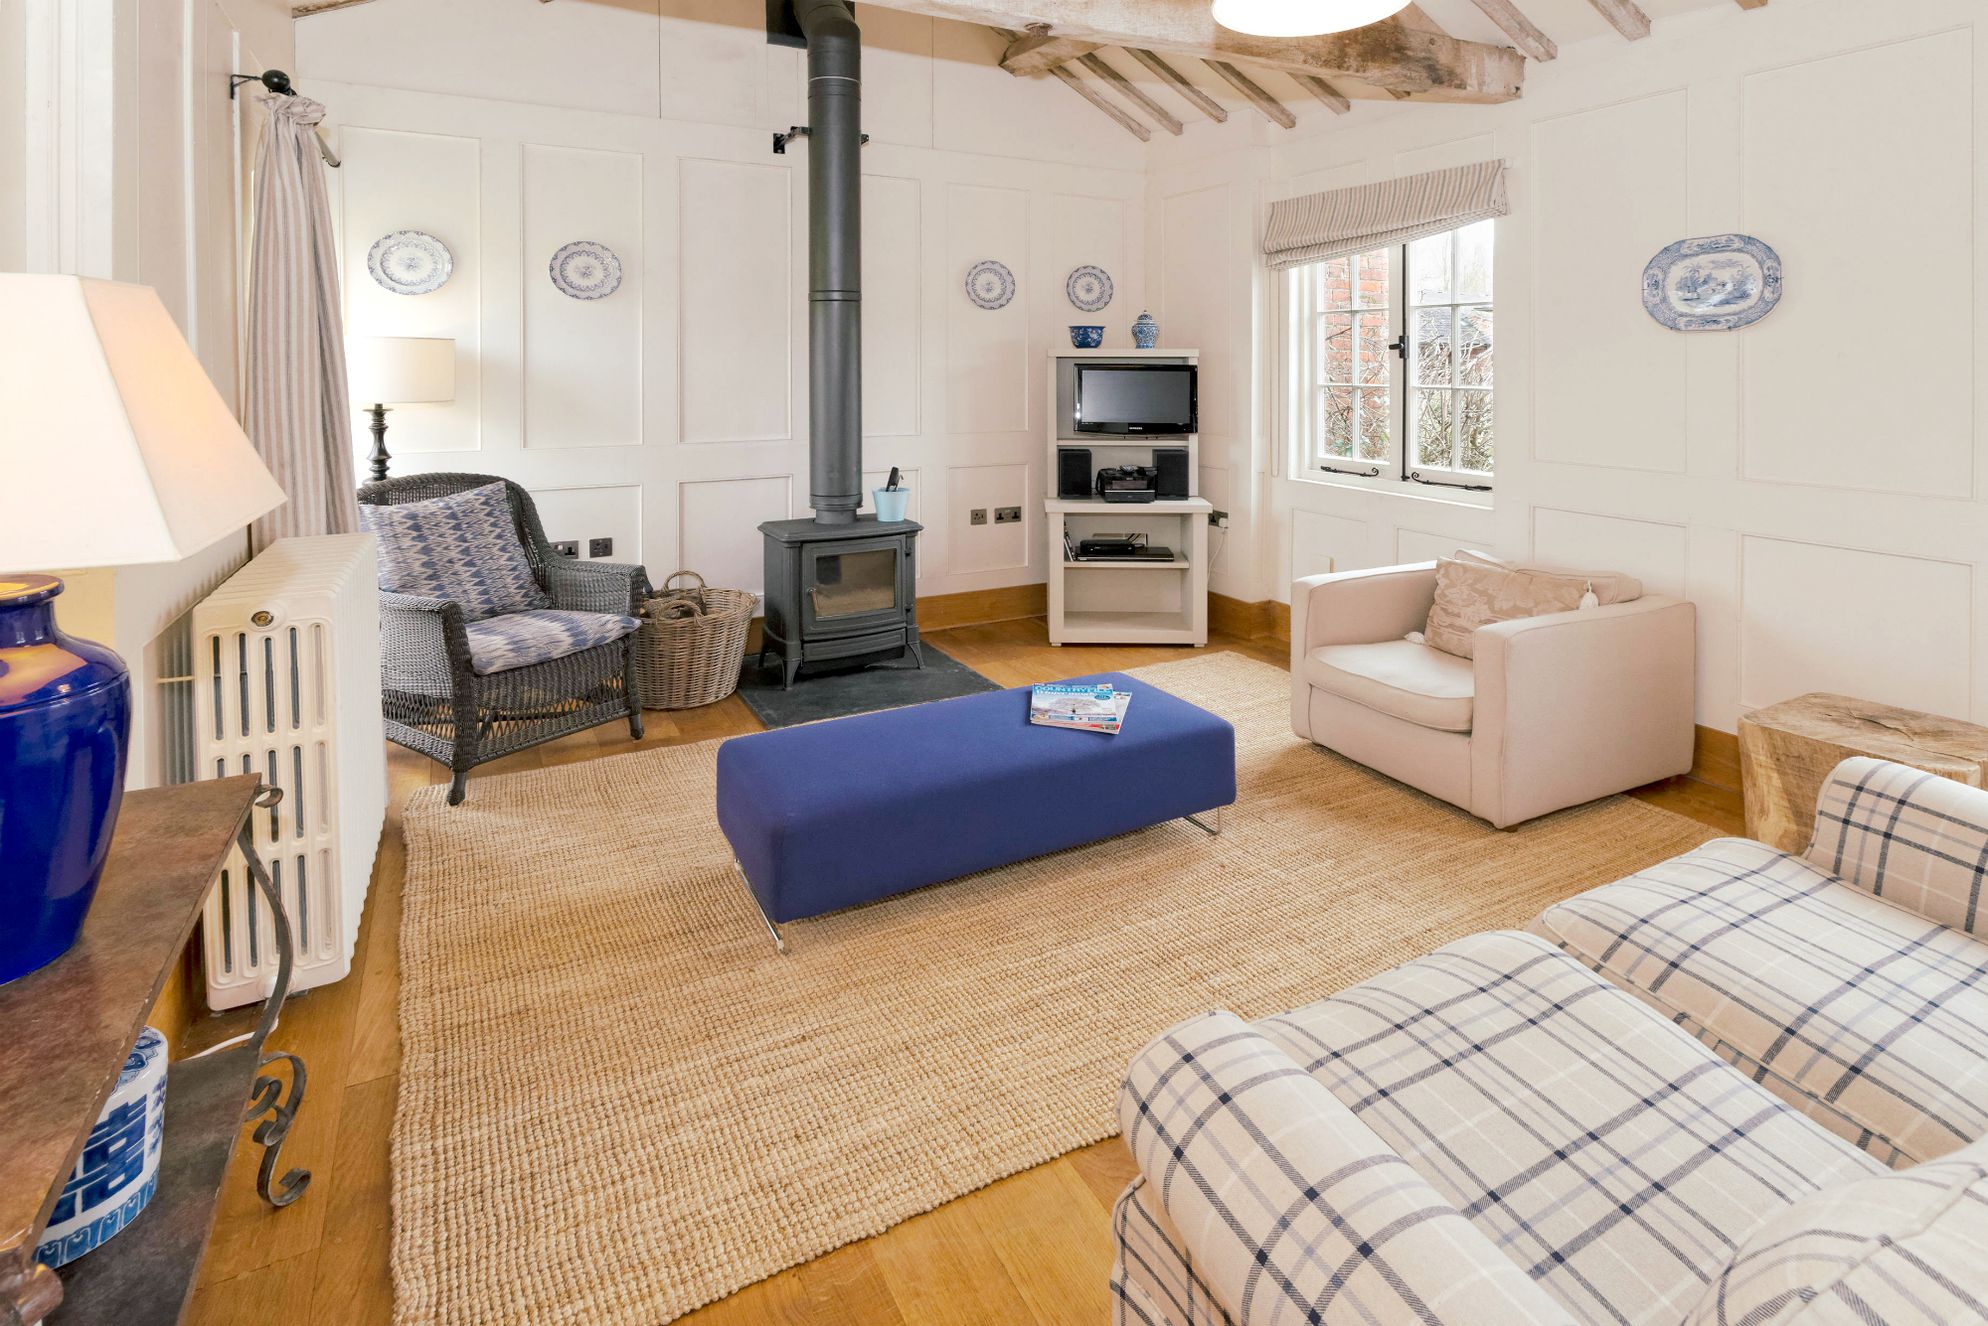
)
(1553, 711)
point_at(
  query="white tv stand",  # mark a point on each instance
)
(1133, 603)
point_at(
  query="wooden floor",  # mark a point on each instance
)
(1031, 1249)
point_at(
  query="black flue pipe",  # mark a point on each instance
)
(835, 308)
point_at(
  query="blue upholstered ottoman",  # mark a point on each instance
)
(833, 814)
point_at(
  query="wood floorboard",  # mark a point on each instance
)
(1031, 1250)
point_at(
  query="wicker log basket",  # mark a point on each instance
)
(692, 643)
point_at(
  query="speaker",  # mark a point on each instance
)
(1074, 476)
(1171, 462)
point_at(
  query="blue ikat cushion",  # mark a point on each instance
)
(463, 548)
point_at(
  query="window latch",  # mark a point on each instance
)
(1400, 346)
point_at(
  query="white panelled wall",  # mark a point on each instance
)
(672, 416)
(1815, 482)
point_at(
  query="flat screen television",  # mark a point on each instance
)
(1135, 398)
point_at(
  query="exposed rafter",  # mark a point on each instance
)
(1525, 34)
(1131, 92)
(1075, 81)
(1627, 17)
(1174, 79)
(1325, 92)
(1273, 110)
(1387, 55)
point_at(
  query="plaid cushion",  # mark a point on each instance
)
(463, 548)
(1603, 1150)
(1869, 1018)
(1904, 1249)
(519, 639)
(1912, 838)
(1275, 1204)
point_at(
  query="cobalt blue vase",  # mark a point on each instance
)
(65, 716)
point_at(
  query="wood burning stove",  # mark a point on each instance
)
(840, 588)
(840, 594)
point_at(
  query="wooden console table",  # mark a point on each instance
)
(70, 1026)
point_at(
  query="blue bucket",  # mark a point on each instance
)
(892, 503)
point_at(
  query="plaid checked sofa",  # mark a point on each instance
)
(1851, 981)
(1505, 1131)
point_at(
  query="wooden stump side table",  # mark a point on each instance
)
(1788, 749)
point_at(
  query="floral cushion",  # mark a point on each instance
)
(519, 639)
(1473, 590)
(463, 548)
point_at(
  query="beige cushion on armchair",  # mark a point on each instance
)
(1473, 590)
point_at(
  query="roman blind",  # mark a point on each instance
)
(1337, 222)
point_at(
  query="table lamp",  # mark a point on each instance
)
(386, 371)
(117, 451)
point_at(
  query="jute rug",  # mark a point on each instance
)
(618, 1103)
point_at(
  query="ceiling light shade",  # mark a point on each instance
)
(1302, 18)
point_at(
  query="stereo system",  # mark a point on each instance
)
(1165, 480)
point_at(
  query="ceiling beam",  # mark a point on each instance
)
(1038, 53)
(1273, 110)
(1384, 55)
(1174, 79)
(1627, 17)
(305, 8)
(1131, 92)
(1524, 33)
(1325, 92)
(1417, 18)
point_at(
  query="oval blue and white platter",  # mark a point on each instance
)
(1712, 283)
(585, 270)
(410, 262)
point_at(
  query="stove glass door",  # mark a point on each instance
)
(850, 582)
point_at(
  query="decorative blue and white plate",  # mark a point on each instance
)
(990, 284)
(1714, 283)
(1089, 288)
(586, 270)
(410, 262)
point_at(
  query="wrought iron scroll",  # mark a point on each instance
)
(267, 1095)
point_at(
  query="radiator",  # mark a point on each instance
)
(286, 682)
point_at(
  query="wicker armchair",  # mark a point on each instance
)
(438, 704)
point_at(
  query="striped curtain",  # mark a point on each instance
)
(298, 414)
(1371, 216)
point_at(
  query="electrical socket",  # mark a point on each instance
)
(1219, 519)
(1007, 515)
(977, 516)
(600, 547)
(566, 547)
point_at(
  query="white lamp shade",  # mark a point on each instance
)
(1302, 18)
(115, 448)
(401, 370)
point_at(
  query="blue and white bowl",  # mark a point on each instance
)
(1086, 338)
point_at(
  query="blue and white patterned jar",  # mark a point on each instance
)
(1145, 332)
(119, 1169)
